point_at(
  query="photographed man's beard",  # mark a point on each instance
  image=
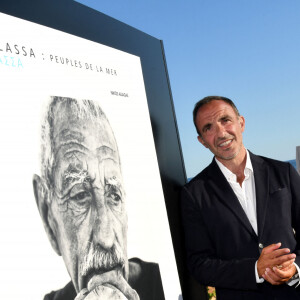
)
(97, 260)
(218, 155)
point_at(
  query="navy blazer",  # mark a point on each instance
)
(221, 245)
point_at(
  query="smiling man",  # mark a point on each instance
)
(81, 200)
(241, 214)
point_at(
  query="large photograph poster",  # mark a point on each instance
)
(96, 188)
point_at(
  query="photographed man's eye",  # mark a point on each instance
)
(226, 119)
(207, 128)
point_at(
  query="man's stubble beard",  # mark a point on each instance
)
(230, 157)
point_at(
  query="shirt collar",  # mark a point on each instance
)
(231, 176)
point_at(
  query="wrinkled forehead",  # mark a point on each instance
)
(84, 147)
(72, 125)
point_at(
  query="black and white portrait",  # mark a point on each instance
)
(82, 202)
(83, 213)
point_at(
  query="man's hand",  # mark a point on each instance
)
(276, 265)
(109, 286)
(100, 292)
(278, 276)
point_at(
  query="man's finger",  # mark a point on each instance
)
(82, 294)
(102, 292)
(286, 273)
(272, 277)
(284, 266)
(271, 248)
(282, 259)
(280, 252)
(115, 279)
(101, 279)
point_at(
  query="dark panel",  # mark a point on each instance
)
(79, 20)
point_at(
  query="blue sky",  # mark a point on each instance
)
(246, 50)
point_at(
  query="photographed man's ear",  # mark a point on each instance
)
(242, 122)
(41, 194)
(200, 139)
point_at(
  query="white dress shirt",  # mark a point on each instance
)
(247, 198)
(246, 192)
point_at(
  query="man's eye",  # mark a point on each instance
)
(81, 196)
(80, 193)
(115, 197)
(225, 120)
(207, 128)
(113, 194)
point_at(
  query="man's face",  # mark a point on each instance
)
(88, 201)
(221, 129)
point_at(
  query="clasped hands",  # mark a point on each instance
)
(276, 265)
(110, 285)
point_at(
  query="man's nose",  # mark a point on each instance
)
(103, 231)
(220, 130)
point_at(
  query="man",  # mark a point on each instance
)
(81, 200)
(241, 214)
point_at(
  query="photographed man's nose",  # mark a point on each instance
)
(103, 232)
(220, 130)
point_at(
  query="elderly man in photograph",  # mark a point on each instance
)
(241, 214)
(81, 200)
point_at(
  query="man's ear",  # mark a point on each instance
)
(41, 194)
(242, 122)
(200, 139)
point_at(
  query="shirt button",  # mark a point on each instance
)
(260, 245)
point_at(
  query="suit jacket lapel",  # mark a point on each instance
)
(225, 194)
(261, 178)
